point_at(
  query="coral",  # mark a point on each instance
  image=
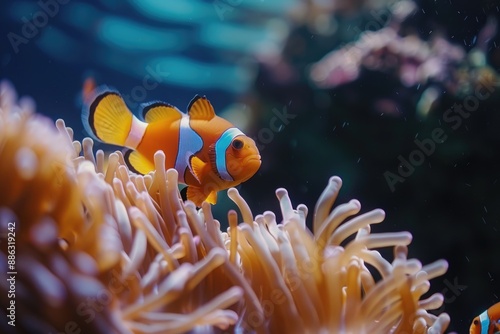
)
(104, 250)
(412, 61)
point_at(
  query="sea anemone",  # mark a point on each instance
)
(101, 249)
(38, 175)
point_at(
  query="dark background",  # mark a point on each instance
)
(450, 203)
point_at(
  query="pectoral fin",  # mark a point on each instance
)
(196, 165)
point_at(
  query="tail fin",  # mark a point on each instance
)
(106, 117)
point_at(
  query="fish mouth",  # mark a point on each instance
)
(253, 160)
(254, 157)
(252, 163)
(250, 166)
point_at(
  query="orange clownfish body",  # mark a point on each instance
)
(209, 153)
(487, 322)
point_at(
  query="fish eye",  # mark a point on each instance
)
(476, 322)
(237, 144)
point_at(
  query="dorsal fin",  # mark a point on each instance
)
(200, 108)
(160, 111)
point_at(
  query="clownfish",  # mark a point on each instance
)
(487, 322)
(209, 153)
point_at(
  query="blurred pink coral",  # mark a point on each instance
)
(415, 61)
